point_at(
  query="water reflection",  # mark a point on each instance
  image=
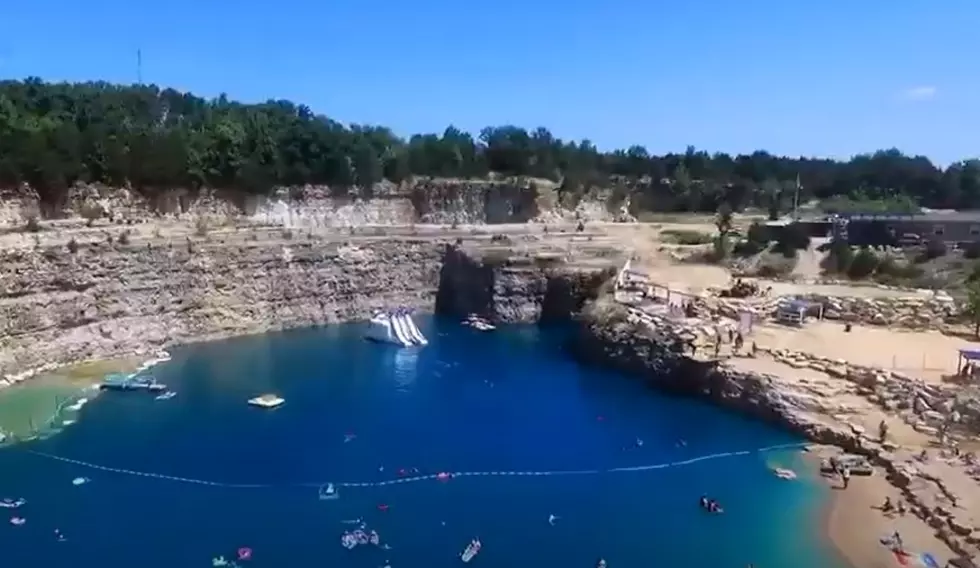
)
(406, 367)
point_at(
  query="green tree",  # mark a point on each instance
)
(53, 135)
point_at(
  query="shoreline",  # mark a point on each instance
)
(850, 526)
(851, 521)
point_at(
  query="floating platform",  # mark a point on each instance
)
(127, 383)
(267, 401)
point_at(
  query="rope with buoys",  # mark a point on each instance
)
(418, 478)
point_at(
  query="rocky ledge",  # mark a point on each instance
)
(612, 336)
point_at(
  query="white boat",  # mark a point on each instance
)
(166, 396)
(472, 549)
(267, 401)
(329, 493)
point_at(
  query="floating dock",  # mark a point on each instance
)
(127, 383)
(267, 401)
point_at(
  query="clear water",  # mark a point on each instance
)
(507, 401)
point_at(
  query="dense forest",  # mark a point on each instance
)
(53, 135)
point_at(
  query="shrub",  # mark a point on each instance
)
(838, 259)
(933, 249)
(792, 238)
(772, 266)
(864, 264)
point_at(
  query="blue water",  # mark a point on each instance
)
(469, 402)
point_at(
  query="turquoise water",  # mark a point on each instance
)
(360, 412)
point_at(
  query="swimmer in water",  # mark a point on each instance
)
(552, 519)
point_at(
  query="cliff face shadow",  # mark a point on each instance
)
(465, 286)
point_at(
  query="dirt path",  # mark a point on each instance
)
(808, 262)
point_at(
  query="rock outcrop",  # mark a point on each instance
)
(507, 287)
(606, 336)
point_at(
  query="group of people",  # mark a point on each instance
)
(710, 505)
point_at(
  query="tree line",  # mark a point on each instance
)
(53, 135)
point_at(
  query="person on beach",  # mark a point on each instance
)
(882, 431)
(845, 477)
(897, 543)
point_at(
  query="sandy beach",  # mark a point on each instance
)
(854, 522)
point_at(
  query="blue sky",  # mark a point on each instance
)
(829, 78)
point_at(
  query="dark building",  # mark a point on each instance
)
(880, 229)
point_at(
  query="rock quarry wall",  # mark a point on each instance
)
(435, 201)
(104, 300)
(514, 289)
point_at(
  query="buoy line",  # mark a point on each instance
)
(418, 478)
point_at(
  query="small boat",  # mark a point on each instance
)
(13, 504)
(472, 549)
(267, 401)
(360, 536)
(374, 538)
(329, 492)
(166, 396)
(17, 521)
(218, 562)
(80, 481)
(601, 563)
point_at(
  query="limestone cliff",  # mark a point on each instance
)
(513, 288)
(607, 336)
(422, 200)
(104, 299)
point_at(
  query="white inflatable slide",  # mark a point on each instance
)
(414, 332)
(395, 328)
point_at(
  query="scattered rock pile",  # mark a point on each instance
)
(914, 312)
